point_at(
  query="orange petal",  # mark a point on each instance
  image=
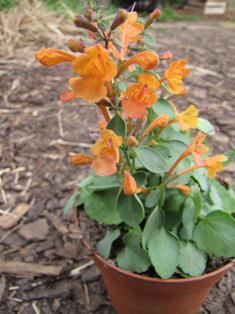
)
(149, 80)
(147, 60)
(68, 95)
(88, 88)
(81, 159)
(158, 122)
(105, 164)
(50, 56)
(167, 55)
(130, 186)
(134, 108)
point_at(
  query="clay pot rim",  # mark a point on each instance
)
(165, 281)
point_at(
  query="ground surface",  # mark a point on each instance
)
(36, 135)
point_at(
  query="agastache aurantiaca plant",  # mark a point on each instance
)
(152, 175)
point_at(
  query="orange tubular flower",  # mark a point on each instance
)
(161, 121)
(130, 186)
(214, 164)
(147, 60)
(130, 32)
(81, 159)
(140, 96)
(95, 69)
(196, 148)
(50, 57)
(174, 75)
(106, 152)
(187, 119)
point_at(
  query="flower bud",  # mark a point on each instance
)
(119, 19)
(76, 45)
(155, 15)
(132, 141)
(82, 22)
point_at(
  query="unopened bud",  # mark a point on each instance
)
(90, 15)
(82, 22)
(76, 45)
(155, 15)
(132, 141)
(119, 19)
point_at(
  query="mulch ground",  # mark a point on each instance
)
(37, 133)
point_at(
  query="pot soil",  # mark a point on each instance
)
(135, 294)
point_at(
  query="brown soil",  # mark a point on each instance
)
(37, 133)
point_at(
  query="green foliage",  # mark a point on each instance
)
(118, 125)
(130, 209)
(169, 14)
(151, 159)
(215, 234)
(132, 257)
(104, 246)
(7, 4)
(164, 252)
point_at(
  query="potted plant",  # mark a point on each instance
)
(170, 231)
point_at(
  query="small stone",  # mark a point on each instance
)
(34, 231)
(230, 167)
(221, 138)
(69, 250)
(91, 274)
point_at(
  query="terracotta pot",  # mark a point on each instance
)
(135, 294)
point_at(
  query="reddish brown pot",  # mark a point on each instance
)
(134, 294)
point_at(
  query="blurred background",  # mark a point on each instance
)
(37, 133)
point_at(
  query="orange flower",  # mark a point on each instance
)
(130, 32)
(130, 186)
(196, 148)
(174, 75)
(140, 96)
(147, 60)
(106, 152)
(187, 119)
(81, 159)
(185, 189)
(214, 165)
(160, 121)
(95, 69)
(50, 57)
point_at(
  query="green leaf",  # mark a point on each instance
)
(73, 201)
(186, 233)
(103, 183)
(102, 206)
(148, 39)
(131, 209)
(151, 159)
(215, 234)
(164, 252)
(192, 260)
(104, 245)
(140, 178)
(230, 154)
(192, 208)
(174, 200)
(153, 198)
(221, 198)
(163, 106)
(153, 222)
(170, 134)
(205, 126)
(201, 177)
(118, 125)
(132, 257)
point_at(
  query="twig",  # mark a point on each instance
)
(86, 290)
(77, 271)
(60, 124)
(60, 141)
(34, 306)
